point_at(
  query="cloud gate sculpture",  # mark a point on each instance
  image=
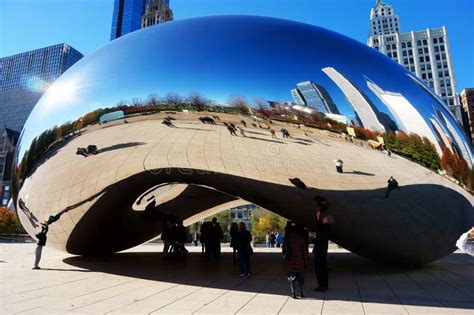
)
(207, 113)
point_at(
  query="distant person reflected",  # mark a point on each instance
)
(214, 239)
(320, 249)
(244, 249)
(195, 238)
(296, 256)
(339, 165)
(466, 242)
(167, 121)
(234, 227)
(273, 134)
(243, 122)
(392, 184)
(242, 131)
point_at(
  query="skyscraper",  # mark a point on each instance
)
(425, 53)
(408, 118)
(157, 12)
(23, 80)
(314, 95)
(298, 97)
(361, 104)
(127, 17)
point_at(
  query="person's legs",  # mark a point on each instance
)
(300, 279)
(234, 256)
(292, 279)
(247, 264)
(318, 268)
(38, 252)
(324, 270)
(166, 246)
(242, 263)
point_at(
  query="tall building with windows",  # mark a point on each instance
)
(425, 53)
(23, 80)
(467, 104)
(157, 12)
(315, 96)
(127, 17)
(298, 97)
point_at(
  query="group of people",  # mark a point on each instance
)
(174, 238)
(273, 240)
(211, 237)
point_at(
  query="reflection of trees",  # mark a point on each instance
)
(240, 104)
(173, 99)
(196, 100)
(457, 168)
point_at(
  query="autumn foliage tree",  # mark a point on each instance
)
(9, 222)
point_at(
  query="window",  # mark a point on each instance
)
(389, 55)
(395, 54)
(430, 75)
(423, 76)
(440, 74)
(442, 48)
(412, 69)
(394, 46)
(441, 40)
(422, 59)
(405, 61)
(446, 73)
(404, 53)
(427, 58)
(437, 57)
(376, 48)
(451, 102)
(411, 60)
(6, 188)
(436, 48)
(404, 45)
(409, 44)
(420, 51)
(435, 40)
(388, 47)
(4, 202)
(422, 68)
(431, 84)
(426, 50)
(441, 83)
(425, 42)
(410, 52)
(443, 56)
(438, 65)
(418, 42)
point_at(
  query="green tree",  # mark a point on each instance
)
(223, 218)
(266, 222)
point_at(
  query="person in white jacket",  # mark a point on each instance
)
(466, 242)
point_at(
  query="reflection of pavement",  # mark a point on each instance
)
(139, 281)
(144, 143)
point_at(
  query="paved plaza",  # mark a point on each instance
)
(139, 281)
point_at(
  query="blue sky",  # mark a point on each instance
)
(85, 24)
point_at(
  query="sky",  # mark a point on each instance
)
(85, 24)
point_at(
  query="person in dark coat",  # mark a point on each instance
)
(234, 227)
(296, 256)
(214, 239)
(320, 249)
(41, 236)
(180, 235)
(244, 249)
(392, 184)
(166, 236)
(205, 227)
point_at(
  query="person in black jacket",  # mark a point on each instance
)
(180, 234)
(234, 227)
(244, 249)
(41, 236)
(214, 239)
(320, 249)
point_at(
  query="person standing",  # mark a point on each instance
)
(166, 237)
(41, 236)
(279, 239)
(244, 249)
(214, 239)
(234, 227)
(466, 242)
(320, 249)
(392, 184)
(339, 164)
(296, 256)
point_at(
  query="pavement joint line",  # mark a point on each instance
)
(449, 284)
(358, 290)
(286, 301)
(394, 293)
(263, 288)
(106, 288)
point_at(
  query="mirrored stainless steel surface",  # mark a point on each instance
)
(202, 114)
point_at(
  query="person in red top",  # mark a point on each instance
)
(296, 256)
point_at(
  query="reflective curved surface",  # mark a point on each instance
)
(188, 118)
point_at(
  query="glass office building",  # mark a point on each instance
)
(23, 80)
(127, 17)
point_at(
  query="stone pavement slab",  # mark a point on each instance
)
(140, 281)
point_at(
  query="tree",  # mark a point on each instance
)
(173, 99)
(137, 102)
(195, 99)
(240, 104)
(153, 100)
(266, 222)
(223, 218)
(9, 222)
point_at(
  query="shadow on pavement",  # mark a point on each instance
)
(352, 278)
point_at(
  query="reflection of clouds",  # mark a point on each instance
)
(59, 95)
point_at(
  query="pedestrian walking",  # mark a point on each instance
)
(296, 256)
(273, 133)
(392, 184)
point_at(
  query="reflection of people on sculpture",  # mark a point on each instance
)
(320, 250)
(207, 120)
(339, 164)
(167, 121)
(298, 183)
(466, 242)
(243, 122)
(392, 185)
(296, 256)
(285, 133)
(214, 239)
(231, 128)
(91, 149)
(273, 134)
(27, 212)
(41, 236)
(242, 131)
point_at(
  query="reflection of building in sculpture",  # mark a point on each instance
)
(127, 16)
(406, 115)
(8, 140)
(298, 97)
(157, 12)
(460, 146)
(467, 104)
(425, 53)
(361, 104)
(441, 134)
(314, 95)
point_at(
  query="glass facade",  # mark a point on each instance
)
(23, 80)
(127, 17)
